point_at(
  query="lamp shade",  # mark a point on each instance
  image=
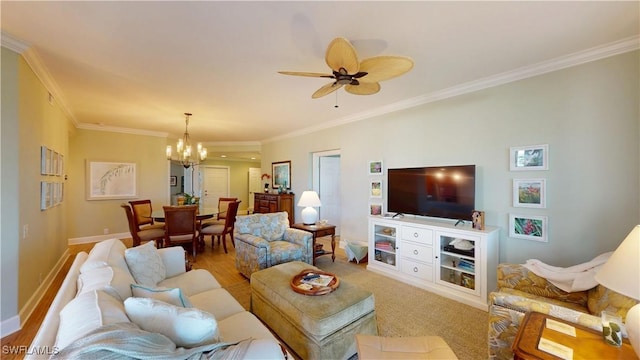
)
(621, 273)
(309, 199)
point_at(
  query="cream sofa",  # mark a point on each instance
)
(206, 315)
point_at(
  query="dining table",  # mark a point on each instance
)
(203, 213)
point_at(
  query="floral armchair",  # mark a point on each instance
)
(265, 240)
(522, 291)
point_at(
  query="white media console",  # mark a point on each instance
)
(425, 253)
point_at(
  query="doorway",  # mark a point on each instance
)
(326, 182)
(215, 184)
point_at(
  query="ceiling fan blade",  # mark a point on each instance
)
(341, 54)
(381, 68)
(309, 74)
(363, 88)
(325, 90)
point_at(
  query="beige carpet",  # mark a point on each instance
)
(404, 310)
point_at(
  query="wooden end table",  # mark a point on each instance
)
(319, 231)
(587, 344)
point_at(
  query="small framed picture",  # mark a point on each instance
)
(477, 219)
(375, 167)
(375, 189)
(528, 227)
(526, 158)
(44, 195)
(44, 160)
(530, 193)
(173, 180)
(281, 174)
(375, 209)
(468, 281)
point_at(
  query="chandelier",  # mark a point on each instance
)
(184, 149)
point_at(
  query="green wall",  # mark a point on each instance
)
(587, 114)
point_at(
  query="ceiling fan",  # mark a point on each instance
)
(359, 78)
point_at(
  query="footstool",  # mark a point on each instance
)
(314, 327)
(419, 347)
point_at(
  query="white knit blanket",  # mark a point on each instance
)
(127, 341)
(575, 278)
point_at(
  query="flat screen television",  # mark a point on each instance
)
(438, 191)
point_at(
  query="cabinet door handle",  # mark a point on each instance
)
(415, 252)
(415, 269)
(415, 234)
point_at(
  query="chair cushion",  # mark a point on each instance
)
(284, 251)
(601, 298)
(187, 327)
(145, 264)
(173, 296)
(212, 229)
(149, 234)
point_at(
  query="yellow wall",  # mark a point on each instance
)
(90, 217)
(40, 237)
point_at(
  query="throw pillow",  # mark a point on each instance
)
(112, 280)
(105, 253)
(187, 327)
(87, 312)
(172, 296)
(145, 264)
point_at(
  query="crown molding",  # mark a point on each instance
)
(87, 126)
(30, 55)
(12, 43)
(578, 58)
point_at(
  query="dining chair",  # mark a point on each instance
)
(181, 227)
(220, 231)
(223, 206)
(142, 215)
(147, 234)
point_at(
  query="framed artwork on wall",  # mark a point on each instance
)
(375, 209)
(528, 227)
(375, 167)
(375, 188)
(173, 180)
(529, 193)
(110, 180)
(281, 174)
(526, 158)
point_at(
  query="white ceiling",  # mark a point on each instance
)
(140, 65)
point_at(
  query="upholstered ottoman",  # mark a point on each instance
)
(315, 327)
(419, 347)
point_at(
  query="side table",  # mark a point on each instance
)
(319, 231)
(587, 344)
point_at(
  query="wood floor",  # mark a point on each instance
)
(221, 265)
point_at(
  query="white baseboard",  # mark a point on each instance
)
(9, 326)
(14, 324)
(97, 238)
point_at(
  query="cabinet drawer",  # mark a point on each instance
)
(417, 252)
(424, 236)
(418, 270)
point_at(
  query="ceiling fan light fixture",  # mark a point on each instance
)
(342, 58)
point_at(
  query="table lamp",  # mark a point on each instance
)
(309, 200)
(621, 273)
